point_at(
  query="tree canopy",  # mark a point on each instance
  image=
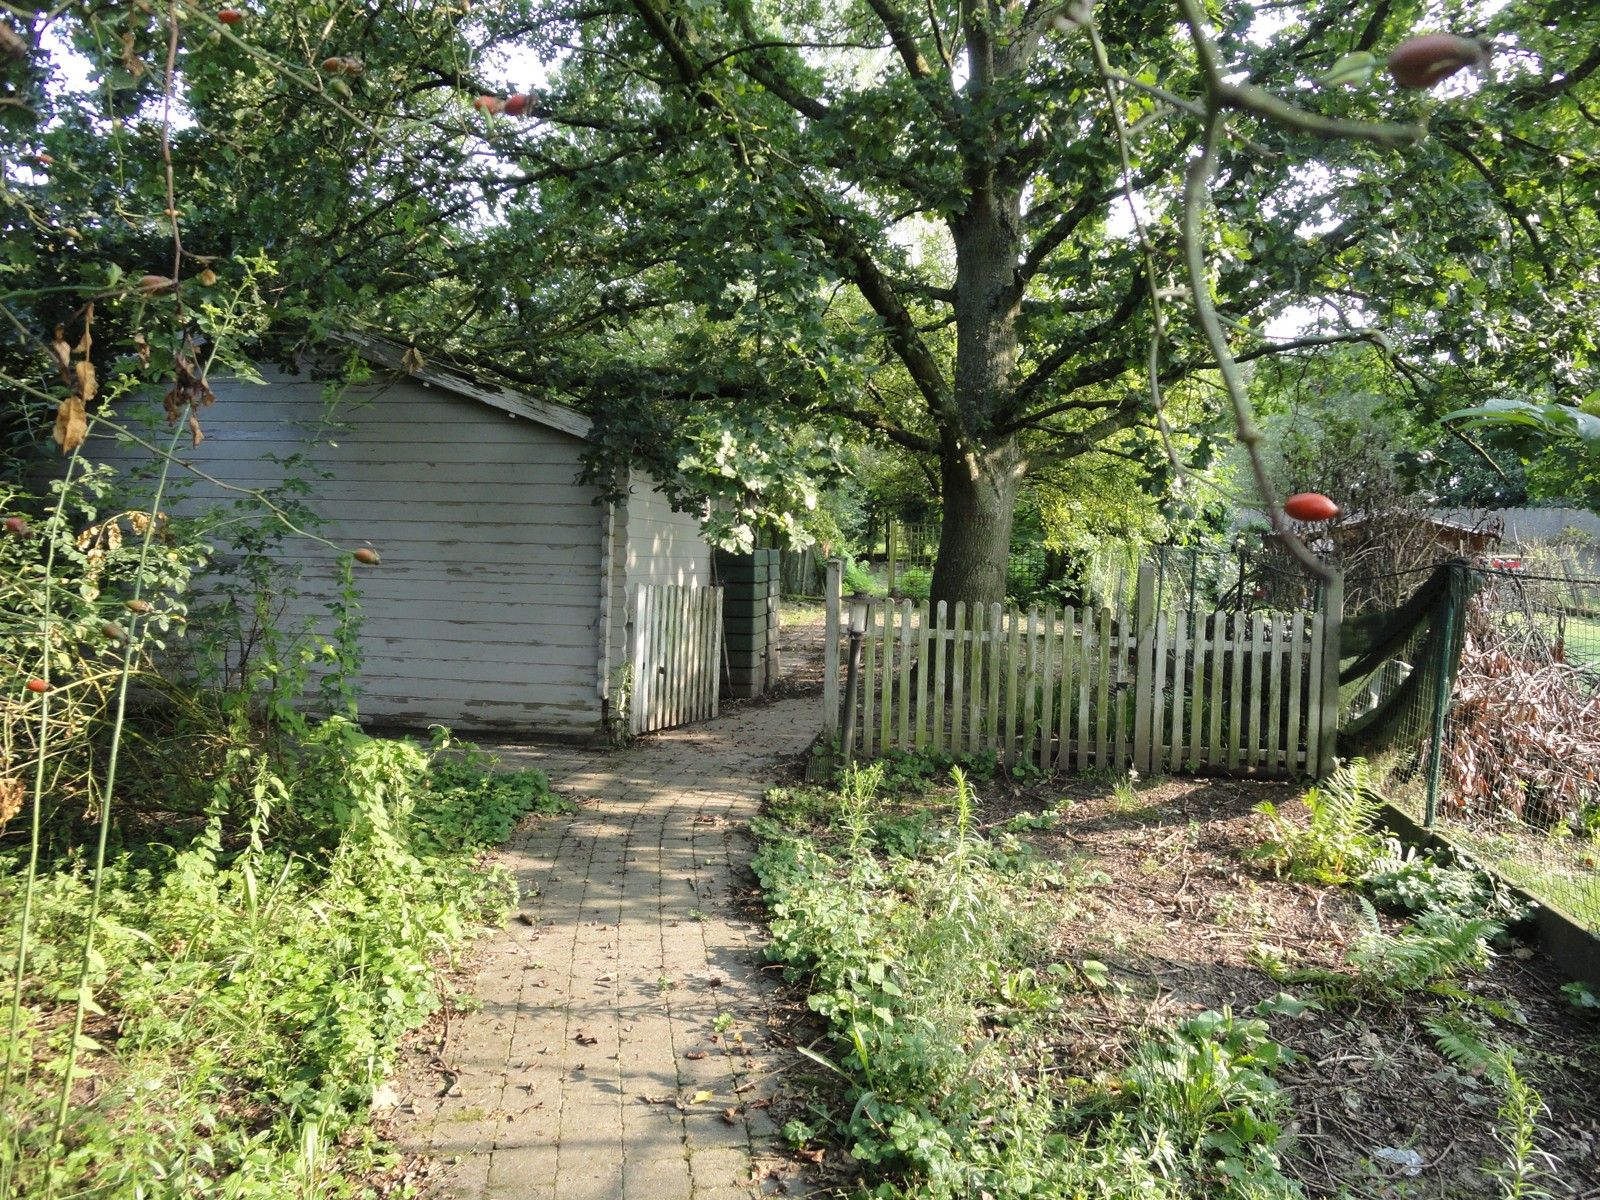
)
(1005, 235)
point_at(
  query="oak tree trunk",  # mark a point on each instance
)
(981, 471)
(980, 498)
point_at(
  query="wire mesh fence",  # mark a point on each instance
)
(1479, 701)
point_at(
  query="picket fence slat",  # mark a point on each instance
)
(869, 674)
(886, 710)
(1197, 691)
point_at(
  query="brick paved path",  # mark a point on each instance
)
(621, 1052)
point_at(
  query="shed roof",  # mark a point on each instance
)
(392, 355)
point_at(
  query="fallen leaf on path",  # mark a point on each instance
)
(585, 1039)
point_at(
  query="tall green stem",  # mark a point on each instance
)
(25, 920)
(129, 648)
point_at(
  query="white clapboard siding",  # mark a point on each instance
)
(489, 608)
(676, 656)
(1104, 687)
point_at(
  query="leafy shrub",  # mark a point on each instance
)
(1413, 881)
(859, 581)
(75, 567)
(1207, 1088)
(914, 583)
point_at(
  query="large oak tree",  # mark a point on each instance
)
(957, 224)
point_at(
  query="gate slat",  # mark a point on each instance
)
(1103, 744)
(924, 664)
(1236, 710)
(1013, 668)
(869, 682)
(1180, 680)
(886, 707)
(1314, 700)
(639, 700)
(1219, 636)
(693, 607)
(714, 634)
(1197, 691)
(1253, 723)
(1047, 687)
(1086, 660)
(1296, 738)
(1122, 657)
(684, 656)
(1159, 700)
(1064, 717)
(1274, 690)
(675, 670)
(663, 671)
(992, 693)
(1030, 687)
(907, 633)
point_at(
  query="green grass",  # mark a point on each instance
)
(1563, 873)
(1583, 640)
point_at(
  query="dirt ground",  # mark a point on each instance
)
(1181, 917)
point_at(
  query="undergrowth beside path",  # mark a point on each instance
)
(251, 988)
(1161, 992)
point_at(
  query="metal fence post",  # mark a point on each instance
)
(1328, 718)
(1443, 676)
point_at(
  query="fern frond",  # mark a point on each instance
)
(1462, 1043)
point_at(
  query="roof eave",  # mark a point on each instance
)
(556, 416)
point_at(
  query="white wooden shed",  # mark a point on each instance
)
(506, 590)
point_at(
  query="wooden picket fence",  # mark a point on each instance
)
(677, 645)
(1105, 687)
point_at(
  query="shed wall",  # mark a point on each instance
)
(485, 612)
(663, 547)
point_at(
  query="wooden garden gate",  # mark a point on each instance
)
(677, 656)
(1105, 687)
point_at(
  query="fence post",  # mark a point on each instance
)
(1144, 667)
(888, 537)
(832, 592)
(1444, 669)
(1328, 718)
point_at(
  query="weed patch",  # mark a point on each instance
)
(928, 960)
(249, 996)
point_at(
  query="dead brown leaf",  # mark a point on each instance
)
(72, 424)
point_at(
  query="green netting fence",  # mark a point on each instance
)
(1478, 699)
